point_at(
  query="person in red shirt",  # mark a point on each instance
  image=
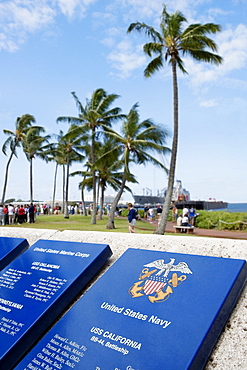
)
(6, 215)
(21, 215)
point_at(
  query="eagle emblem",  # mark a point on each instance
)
(158, 283)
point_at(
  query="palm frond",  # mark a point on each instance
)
(71, 120)
(205, 56)
(105, 103)
(97, 96)
(174, 24)
(78, 103)
(7, 143)
(155, 65)
(151, 48)
(8, 132)
(149, 31)
(201, 29)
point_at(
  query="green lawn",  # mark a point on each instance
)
(77, 222)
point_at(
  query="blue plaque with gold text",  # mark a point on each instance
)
(10, 248)
(38, 286)
(151, 310)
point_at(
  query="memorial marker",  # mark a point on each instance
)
(10, 248)
(37, 286)
(151, 310)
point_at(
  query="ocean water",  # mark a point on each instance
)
(235, 207)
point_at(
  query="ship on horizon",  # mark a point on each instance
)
(180, 198)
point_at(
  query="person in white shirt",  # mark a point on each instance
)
(11, 214)
(179, 220)
(185, 211)
(185, 221)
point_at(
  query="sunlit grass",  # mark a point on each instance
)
(78, 222)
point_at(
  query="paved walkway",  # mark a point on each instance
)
(207, 232)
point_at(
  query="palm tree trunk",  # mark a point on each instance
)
(6, 175)
(101, 203)
(63, 188)
(54, 188)
(83, 202)
(31, 180)
(110, 224)
(167, 204)
(66, 213)
(94, 210)
(97, 198)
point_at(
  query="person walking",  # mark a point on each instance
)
(151, 214)
(131, 218)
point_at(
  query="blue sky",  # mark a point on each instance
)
(49, 48)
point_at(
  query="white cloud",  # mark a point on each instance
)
(233, 47)
(138, 8)
(29, 15)
(126, 59)
(108, 41)
(70, 7)
(213, 12)
(7, 44)
(208, 103)
(19, 18)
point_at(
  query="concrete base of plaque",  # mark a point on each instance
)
(10, 248)
(151, 310)
(36, 288)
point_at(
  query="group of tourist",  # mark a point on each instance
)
(187, 218)
(10, 214)
(151, 213)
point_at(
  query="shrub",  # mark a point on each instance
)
(222, 220)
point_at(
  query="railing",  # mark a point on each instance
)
(220, 222)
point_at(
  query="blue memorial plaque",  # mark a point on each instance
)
(37, 286)
(151, 310)
(10, 248)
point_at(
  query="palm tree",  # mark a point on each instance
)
(59, 159)
(108, 168)
(87, 182)
(84, 184)
(14, 140)
(107, 173)
(34, 145)
(57, 156)
(170, 44)
(96, 114)
(54, 155)
(139, 140)
(72, 145)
